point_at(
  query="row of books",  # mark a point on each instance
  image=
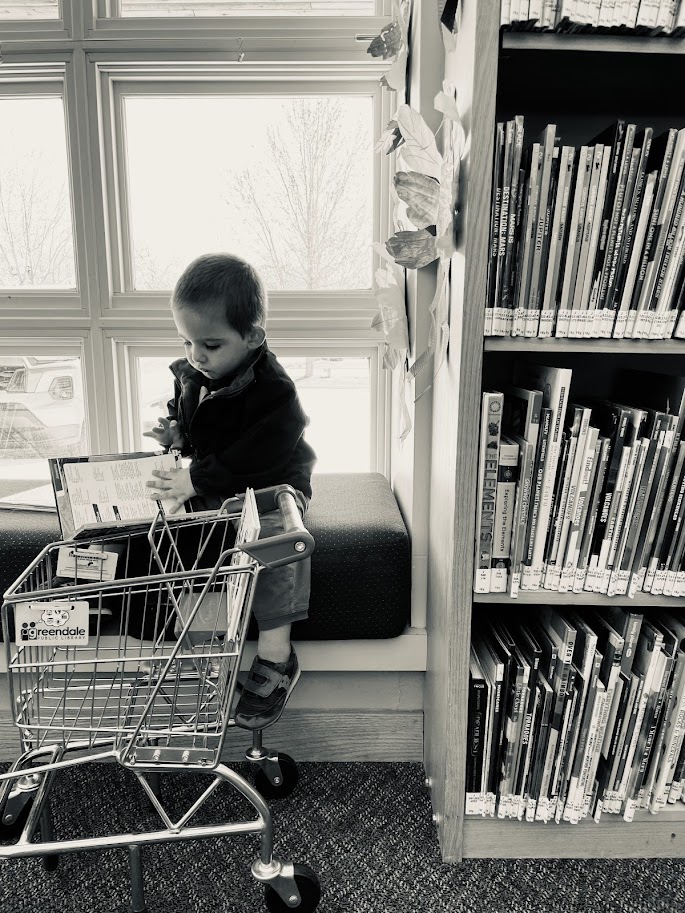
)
(644, 17)
(581, 496)
(589, 241)
(574, 715)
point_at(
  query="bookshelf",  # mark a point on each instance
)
(552, 78)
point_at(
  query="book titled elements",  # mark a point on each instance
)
(641, 17)
(577, 496)
(587, 241)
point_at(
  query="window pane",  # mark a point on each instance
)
(29, 9)
(36, 236)
(249, 8)
(286, 182)
(334, 393)
(41, 415)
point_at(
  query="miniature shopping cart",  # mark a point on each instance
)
(142, 670)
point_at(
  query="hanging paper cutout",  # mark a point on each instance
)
(393, 44)
(421, 193)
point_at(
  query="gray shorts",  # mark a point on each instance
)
(282, 593)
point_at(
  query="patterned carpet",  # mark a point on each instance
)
(365, 828)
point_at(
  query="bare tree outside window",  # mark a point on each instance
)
(36, 247)
(36, 235)
(306, 204)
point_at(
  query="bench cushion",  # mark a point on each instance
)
(361, 566)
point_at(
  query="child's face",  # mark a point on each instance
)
(211, 344)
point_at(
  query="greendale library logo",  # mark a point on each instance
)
(60, 623)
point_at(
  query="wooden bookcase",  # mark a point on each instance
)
(582, 83)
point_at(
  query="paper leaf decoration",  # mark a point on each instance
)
(392, 316)
(390, 139)
(396, 77)
(389, 43)
(419, 151)
(421, 194)
(413, 249)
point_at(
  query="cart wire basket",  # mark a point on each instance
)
(142, 670)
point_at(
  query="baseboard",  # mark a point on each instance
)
(312, 735)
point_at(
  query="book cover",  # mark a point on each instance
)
(581, 189)
(591, 514)
(521, 508)
(528, 540)
(614, 421)
(497, 178)
(475, 736)
(547, 141)
(589, 241)
(578, 511)
(578, 423)
(554, 383)
(558, 241)
(507, 297)
(630, 214)
(627, 310)
(661, 158)
(106, 490)
(534, 160)
(507, 481)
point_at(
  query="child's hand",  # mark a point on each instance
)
(167, 434)
(172, 485)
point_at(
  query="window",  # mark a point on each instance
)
(29, 9)
(284, 180)
(185, 127)
(41, 415)
(36, 233)
(198, 8)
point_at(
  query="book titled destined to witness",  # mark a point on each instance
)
(106, 490)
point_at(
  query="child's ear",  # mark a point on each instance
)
(256, 337)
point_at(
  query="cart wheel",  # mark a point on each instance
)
(50, 862)
(308, 885)
(290, 776)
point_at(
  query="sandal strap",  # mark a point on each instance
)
(272, 679)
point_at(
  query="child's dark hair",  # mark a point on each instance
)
(227, 281)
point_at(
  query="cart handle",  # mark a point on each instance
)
(294, 544)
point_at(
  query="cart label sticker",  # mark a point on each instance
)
(62, 624)
(86, 563)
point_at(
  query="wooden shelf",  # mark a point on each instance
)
(599, 44)
(551, 597)
(661, 835)
(613, 346)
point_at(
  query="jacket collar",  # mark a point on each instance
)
(229, 383)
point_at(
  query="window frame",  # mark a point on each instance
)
(59, 28)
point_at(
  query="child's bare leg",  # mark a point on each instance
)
(274, 644)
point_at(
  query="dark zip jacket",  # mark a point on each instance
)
(246, 432)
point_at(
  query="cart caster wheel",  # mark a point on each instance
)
(290, 776)
(51, 862)
(308, 885)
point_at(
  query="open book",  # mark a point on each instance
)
(106, 491)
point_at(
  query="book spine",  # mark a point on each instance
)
(491, 424)
(507, 478)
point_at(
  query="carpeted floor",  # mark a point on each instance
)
(365, 828)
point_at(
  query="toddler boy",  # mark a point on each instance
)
(236, 414)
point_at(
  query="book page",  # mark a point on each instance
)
(114, 490)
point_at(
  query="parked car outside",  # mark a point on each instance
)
(41, 406)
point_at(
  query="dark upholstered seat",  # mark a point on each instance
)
(361, 567)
